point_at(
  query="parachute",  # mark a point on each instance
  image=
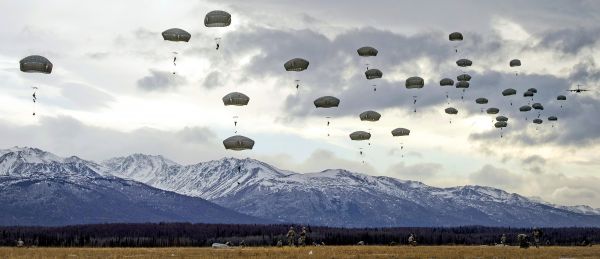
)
(552, 118)
(217, 18)
(462, 85)
(235, 98)
(509, 92)
(533, 90)
(399, 132)
(500, 125)
(492, 111)
(414, 82)
(463, 77)
(501, 118)
(537, 121)
(370, 116)
(446, 82)
(481, 100)
(464, 62)
(35, 64)
(176, 35)
(515, 63)
(451, 111)
(525, 108)
(528, 94)
(561, 98)
(238, 143)
(360, 135)
(537, 106)
(367, 51)
(373, 73)
(327, 102)
(296, 65)
(455, 37)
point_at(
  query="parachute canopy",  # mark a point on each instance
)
(176, 34)
(451, 110)
(561, 98)
(455, 36)
(462, 84)
(360, 135)
(373, 73)
(500, 124)
(525, 108)
(527, 94)
(238, 142)
(464, 62)
(481, 100)
(400, 132)
(35, 64)
(463, 77)
(515, 63)
(327, 102)
(552, 118)
(537, 121)
(296, 64)
(492, 111)
(509, 91)
(533, 90)
(217, 18)
(414, 82)
(235, 98)
(446, 82)
(370, 116)
(537, 106)
(367, 51)
(501, 118)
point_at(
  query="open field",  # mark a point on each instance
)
(317, 252)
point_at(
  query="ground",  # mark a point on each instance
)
(307, 252)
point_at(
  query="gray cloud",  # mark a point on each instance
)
(67, 136)
(571, 40)
(213, 80)
(83, 97)
(418, 172)
(489, 175)
(160, 81)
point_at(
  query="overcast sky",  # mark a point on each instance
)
(112, 91)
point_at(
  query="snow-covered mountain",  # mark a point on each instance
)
(340, 197)
(40, 188)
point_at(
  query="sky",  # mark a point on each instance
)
(112, 91)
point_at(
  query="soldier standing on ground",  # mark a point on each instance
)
(302, 240)
(503, 240)
(291, 235)
(537, 236)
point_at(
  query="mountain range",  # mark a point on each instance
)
(34, 182)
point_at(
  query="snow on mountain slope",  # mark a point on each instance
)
(40, 188)
(343, 198)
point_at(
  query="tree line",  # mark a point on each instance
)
(188, 235)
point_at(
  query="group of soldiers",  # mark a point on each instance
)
(291, 237)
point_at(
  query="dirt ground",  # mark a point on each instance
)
(307, 252)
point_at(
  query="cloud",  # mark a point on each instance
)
(418, 172)
(67, 136)
(160, 81)
(83, 97)
(318, 160)
(493, 176)
(212, 80)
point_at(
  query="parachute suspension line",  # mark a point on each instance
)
(374, 88)
(235, 121)
(174, 61)
(462, 96)
(447, 98)
(328, 125)
(218, 42)
(367, 65)
(415, 103)
(34, 99)
(297, 84)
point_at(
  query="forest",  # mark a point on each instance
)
(198, 235)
